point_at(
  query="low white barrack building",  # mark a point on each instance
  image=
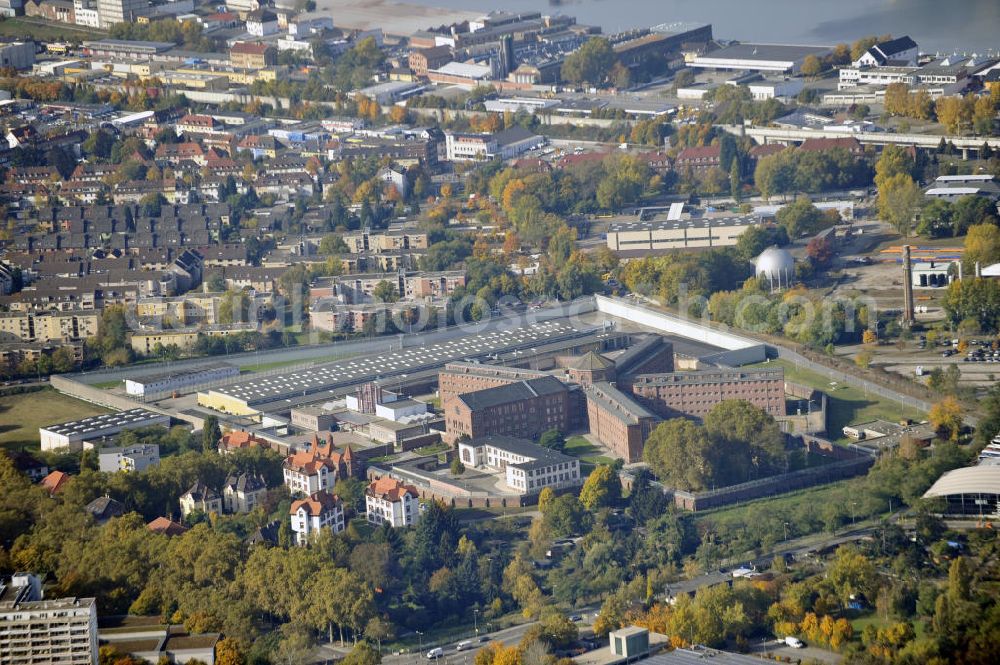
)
(74, 433)
(166, 382)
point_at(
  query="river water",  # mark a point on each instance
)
(938, 26)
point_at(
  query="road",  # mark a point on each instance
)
(451, 654)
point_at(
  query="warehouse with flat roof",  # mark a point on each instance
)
(283, 391)
(778, 58)
(639, 238)
(74, 433)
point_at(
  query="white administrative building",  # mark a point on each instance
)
(527, 467)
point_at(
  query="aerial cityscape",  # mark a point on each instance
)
(469, 333)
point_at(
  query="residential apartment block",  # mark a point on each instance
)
(48, 326)
(34, 630)
(360, 288)
(129, 459)
(366, 241)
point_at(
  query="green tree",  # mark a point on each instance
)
(681, 454)
(457, 468)
(332, 244)
(63, 360)
(898, 198)
(801, 218)
(982, 245)
(893, 160)
(591, 63)
(558, 630)
(740, 425)
(735, 183)
(811, 66)
(210, 434)
(363, 654)
(602, 488)
(851, 573)
(385, 291)
(553, 440)
(974, 299)
(227, 652)
(565, 516)
(646, 501)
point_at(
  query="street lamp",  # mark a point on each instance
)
(475, 620)
(784, 526)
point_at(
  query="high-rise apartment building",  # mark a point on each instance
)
(37, 631)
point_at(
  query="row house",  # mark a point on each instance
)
(285, 187)
(171, 154)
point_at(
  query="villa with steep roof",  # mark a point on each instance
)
(202, 498)
(243, 493)
(321, 510)
(389, 501)
(319, 468)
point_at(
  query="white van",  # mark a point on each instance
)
(462, 646)
(436, 652)
(794, 642)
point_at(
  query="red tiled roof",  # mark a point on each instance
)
(317, 503)
(767, 149)
(250, 48)
(700, 152)
(582, 158)
(238, 439)
(391, 489)
(166, 527)
(192, 119)
(847, 142)
(54, 481)
(188, 148)
(310, 461)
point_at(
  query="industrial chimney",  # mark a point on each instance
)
(908, 318)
